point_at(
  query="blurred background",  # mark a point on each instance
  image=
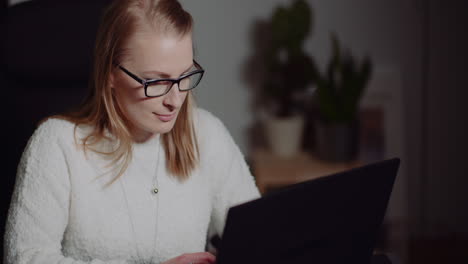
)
(306, 88)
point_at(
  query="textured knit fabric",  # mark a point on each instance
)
(63, 212)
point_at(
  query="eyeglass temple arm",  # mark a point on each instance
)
(133, 75)
(197, 65)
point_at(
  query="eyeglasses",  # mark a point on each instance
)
(160, 87)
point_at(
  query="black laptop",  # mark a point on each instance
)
(333, 219)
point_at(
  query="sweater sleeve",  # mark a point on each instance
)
(38, 213)
(234, 184)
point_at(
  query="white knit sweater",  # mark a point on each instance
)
(62, 212)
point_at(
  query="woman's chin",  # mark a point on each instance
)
(164, 127)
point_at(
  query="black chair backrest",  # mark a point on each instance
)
(45, 62)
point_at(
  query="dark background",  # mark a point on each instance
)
(45, 64)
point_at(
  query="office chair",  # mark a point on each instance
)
(45, 62)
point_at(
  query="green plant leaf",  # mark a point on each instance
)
(342, 86)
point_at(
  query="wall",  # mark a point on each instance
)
(444, 207)
(384, 29)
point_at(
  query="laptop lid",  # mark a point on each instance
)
(333, 219)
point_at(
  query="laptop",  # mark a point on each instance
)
(333, 219)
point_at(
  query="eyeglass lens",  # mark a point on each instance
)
(161, 87)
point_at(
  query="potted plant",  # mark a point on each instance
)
(339, 90)
(289, 71)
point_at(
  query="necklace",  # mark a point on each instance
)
(154, 192)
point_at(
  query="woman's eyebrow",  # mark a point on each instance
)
(164, 74)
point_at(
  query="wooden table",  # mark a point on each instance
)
(273, 172)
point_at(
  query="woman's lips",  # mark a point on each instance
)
(166, 117)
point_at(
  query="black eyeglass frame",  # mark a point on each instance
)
(147, 82)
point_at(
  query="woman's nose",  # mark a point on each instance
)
(174, 98)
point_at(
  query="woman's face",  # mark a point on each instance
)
(151, 55)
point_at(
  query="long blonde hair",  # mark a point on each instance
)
(100, 109)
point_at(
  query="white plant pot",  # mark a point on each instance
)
(285, 135)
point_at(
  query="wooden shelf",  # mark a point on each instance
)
(272, 172)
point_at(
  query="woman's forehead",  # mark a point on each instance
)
(164, 52)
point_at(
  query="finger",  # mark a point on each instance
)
(202, 258)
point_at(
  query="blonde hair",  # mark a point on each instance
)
(101, 110)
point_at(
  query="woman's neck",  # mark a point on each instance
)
(140, 136)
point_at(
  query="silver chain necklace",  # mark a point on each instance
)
(153, 191)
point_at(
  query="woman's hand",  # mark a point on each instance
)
(193, 258)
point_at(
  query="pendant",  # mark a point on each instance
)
(155, 190)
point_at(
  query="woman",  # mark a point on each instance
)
(137, 174)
